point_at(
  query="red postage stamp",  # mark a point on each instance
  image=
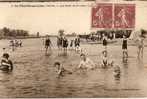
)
(124, 16)
(102, 16)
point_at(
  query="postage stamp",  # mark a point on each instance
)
(102, 16)
(124, 16)
(113, 16)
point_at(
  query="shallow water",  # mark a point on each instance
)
(35, 76)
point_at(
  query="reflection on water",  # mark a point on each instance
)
(34, 74)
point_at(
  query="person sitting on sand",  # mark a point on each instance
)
(6, 64)
(61, 71)
(86, 63)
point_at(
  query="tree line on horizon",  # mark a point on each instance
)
(7, 32)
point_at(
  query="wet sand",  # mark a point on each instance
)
(35, 76)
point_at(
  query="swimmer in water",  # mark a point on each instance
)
(61, 71)
(116, 72)
(6, 64)
(104, 59)
(86, 63)
(105, 62)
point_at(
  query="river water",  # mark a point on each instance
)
(34, 74)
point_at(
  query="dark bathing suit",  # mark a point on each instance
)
(104, 42)
(71, 44)
(47, 42)
(124, 45)
(77, 42)
(65, 43)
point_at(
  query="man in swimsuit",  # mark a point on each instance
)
(65, 44)
(105, 42)
(77, 43)
(124, 47)
(47, 44)
(71, 44)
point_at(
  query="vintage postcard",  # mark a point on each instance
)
(73, 48)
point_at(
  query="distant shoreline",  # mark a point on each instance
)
(29, 37)
(19, 37)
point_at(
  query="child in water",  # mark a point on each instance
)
(105, 61)
(117, 72)
(6, 64)
(61, 71)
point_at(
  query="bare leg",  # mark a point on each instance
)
(46, 49)
(126, 52)
(142, 52)
(13, 48)
(123, 53)
(138, 52)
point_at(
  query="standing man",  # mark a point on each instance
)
(47, 44)
(124, 47)
(59, 42)
(77, 42)
(71, 44)
(105, 42)
(65, 44)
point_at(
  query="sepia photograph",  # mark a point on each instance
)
(73, 50)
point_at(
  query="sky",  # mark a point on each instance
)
(48, 20)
